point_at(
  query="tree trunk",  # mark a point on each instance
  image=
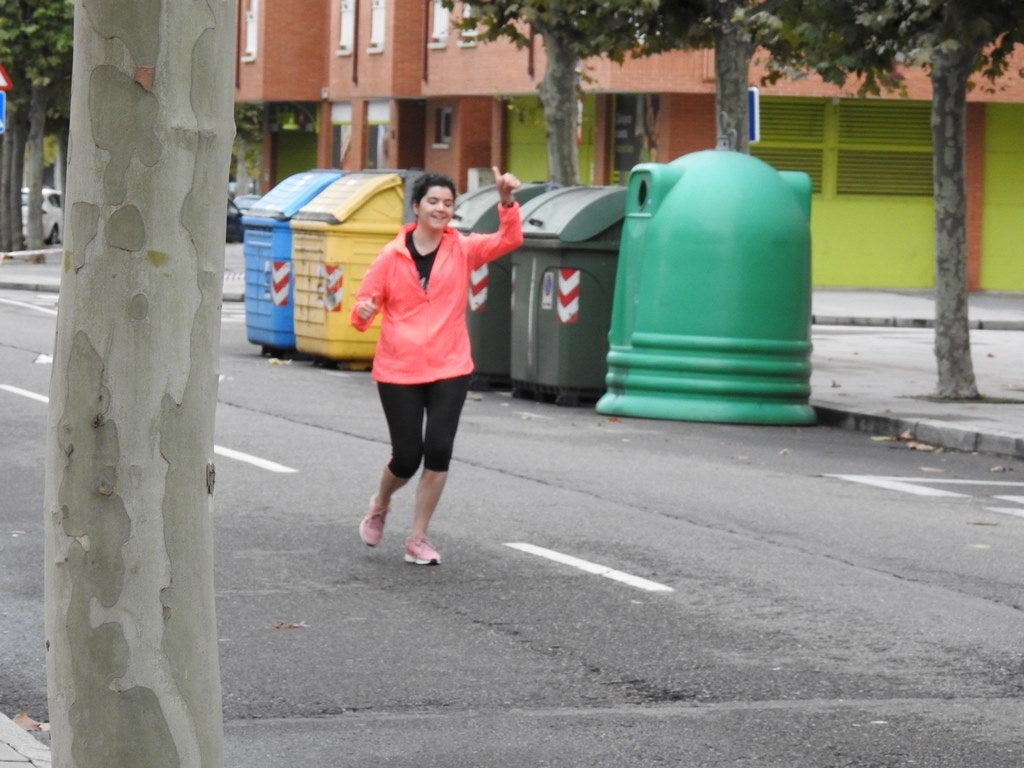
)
(14, 166)
(558, 95)
(131, 632)
(732, 64)
(34, 167)
(6, 218)
(949, 77)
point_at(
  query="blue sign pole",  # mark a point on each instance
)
(3, 111)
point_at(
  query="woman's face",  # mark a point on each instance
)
(434, 211)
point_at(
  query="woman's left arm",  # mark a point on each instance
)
(483, 248)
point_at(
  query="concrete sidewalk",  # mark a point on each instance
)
(873, 368)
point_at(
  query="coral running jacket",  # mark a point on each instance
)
(423, 335)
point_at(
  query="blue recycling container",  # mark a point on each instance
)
(267, 248)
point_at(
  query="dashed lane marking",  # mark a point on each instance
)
(26, 305)
(24, 393)
(921, 487)
(228, 453)
(589, 567)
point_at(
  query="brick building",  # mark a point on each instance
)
(359, 84)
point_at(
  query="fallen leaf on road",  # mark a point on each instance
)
(916, 446)
(785, 452)
(289, 625)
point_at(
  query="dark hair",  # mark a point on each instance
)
(428, 180)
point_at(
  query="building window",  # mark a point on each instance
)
(377, 18)
(443, 127)
(346, 27)
(439, 26)
(341, 133)
(251, 30)
(378, 118)
(467, 37)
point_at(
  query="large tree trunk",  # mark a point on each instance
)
(558, 96)
(949, 76)
(131, 632)
(733, 52)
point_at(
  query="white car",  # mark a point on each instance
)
(53, 215)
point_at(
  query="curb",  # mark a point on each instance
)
(927, 431)
(911, 322)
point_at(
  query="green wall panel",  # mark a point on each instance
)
(527, 139)
(872, 242)
(1002, 237)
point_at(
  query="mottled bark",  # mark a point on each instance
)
(733, 52)
(950, 73)
(558, 95)
(131, 636)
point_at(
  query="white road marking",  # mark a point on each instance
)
(589, 567)
(903, 484)
(916, 486)
(24, 393)
(256, 461)
(1014, 499)
(26, 305)
(1015, 511)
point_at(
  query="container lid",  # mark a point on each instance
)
(284, 200)
(575, 214)
(477, 211)
(342, 197)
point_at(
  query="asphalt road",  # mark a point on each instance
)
(799, 613)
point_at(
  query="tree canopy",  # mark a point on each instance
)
(572, 30)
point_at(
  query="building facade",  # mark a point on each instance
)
(356, 84)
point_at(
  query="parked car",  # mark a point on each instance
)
(234, 228)
(245, 202)
(53, 215)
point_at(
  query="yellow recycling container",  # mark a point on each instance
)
(334, 238)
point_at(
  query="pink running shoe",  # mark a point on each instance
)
(372, 527)
(420, 551)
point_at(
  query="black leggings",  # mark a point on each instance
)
(405, 406)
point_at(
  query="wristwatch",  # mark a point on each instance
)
(508, 204)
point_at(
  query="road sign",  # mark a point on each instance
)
(3, 111)
(753, 115)
(5, 80)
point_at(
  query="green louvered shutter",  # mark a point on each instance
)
(884, 148)
(793, 136)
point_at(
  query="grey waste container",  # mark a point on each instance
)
(563, 281)
(489, 318)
